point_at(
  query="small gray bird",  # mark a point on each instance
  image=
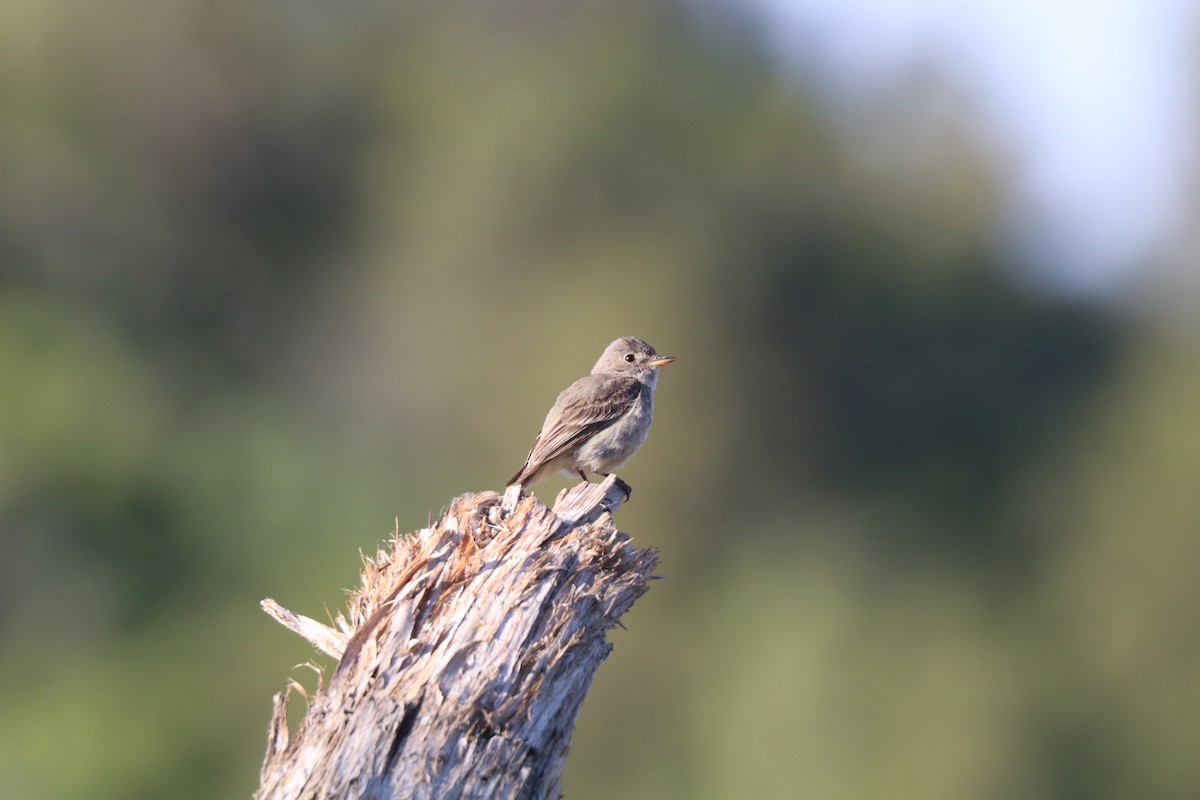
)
(600, 420)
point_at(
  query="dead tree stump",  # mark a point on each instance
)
(464, 656)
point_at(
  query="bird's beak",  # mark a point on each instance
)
(661, 361)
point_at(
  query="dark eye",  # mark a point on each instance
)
(629, 357)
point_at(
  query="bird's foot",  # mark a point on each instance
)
(623, 486)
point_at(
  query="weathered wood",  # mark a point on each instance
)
(464, 656)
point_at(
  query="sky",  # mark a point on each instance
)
(1097, 99)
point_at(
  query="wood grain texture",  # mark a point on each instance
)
(464, 655)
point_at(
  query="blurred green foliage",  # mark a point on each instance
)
(273, 275)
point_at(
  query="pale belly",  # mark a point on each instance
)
(612, 447)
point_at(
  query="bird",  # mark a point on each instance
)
(599, 421)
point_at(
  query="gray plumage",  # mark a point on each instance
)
(599, 421)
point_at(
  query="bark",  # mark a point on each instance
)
(464, 656)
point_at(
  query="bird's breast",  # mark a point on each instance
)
(613, 446)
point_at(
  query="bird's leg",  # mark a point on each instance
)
(622, 485)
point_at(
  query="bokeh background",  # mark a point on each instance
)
(277, 276)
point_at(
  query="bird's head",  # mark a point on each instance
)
(630, 356)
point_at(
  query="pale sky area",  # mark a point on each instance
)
(1097, 99)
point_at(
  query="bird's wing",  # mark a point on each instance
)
(594, 403)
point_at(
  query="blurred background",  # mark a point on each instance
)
(277, 276)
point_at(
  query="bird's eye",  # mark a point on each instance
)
(629, 357)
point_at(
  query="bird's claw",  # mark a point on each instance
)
(625, 487)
